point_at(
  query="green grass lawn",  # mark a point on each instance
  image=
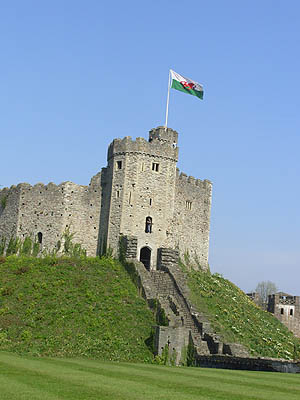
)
(24, 377)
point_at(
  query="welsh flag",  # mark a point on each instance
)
(186, 85)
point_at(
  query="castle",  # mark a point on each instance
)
(139, 194)
(140, 204)
(286, 308)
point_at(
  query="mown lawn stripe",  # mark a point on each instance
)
(73, 378)
(10, 386)
(104, 385)
(120, 380)
(66, 383)
(260, 379)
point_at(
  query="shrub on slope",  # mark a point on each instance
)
(72, 307)
(237, 319)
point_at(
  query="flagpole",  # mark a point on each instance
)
(168, 98)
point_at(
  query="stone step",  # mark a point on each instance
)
(165, 287)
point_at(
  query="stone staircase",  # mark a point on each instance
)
(166, 289)
(177, 310)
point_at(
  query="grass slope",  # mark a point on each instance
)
(72, 307)
(27, 378)
(237, 319)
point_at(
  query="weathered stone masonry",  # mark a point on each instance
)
(286, 308)
(51, 209)
(140, 183)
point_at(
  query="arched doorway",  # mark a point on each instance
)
(145, 257)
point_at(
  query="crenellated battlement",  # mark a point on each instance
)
(164, 135)
(4, 191)
(184, 179)
(159, 145)
(24, 186)
(13, 189)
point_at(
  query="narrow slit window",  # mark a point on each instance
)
(291, 311)
(155, 167)
(118, 194)
(129, 198)
(150, 202)
(119, 164)
(188, 205)
(282, 311)
(40, 237)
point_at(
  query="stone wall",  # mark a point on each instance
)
(129, 245)
(50, 209)
(9, 211)
(176, 339)
(167, 258)
(82, 212)
(286, 308)
(191, 223)
(247, 363)
(41, 210)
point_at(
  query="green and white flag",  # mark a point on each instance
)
(186, 85)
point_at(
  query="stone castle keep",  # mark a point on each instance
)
(140, 194)
(140, 205)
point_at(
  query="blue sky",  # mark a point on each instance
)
(76, 74)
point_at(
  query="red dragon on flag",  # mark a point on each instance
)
(189, 86)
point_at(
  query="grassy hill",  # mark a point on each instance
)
(72, 307)
(89, 307)
(237, 319)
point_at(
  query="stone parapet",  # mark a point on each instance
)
(167, 258)
(163, 134)
(174, 339)
(184, 179)
(154, 147)
(129, 246)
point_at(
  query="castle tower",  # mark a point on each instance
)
(139, 192)
(286, 308)
(144, 196)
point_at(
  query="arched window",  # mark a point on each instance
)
(40, 237)
(148, 225)
(145, 257)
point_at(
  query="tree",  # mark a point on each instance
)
(264, 289)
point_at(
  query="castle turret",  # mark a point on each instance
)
(145, 197)
(140, 192)
(286, 308)
(164, 135)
